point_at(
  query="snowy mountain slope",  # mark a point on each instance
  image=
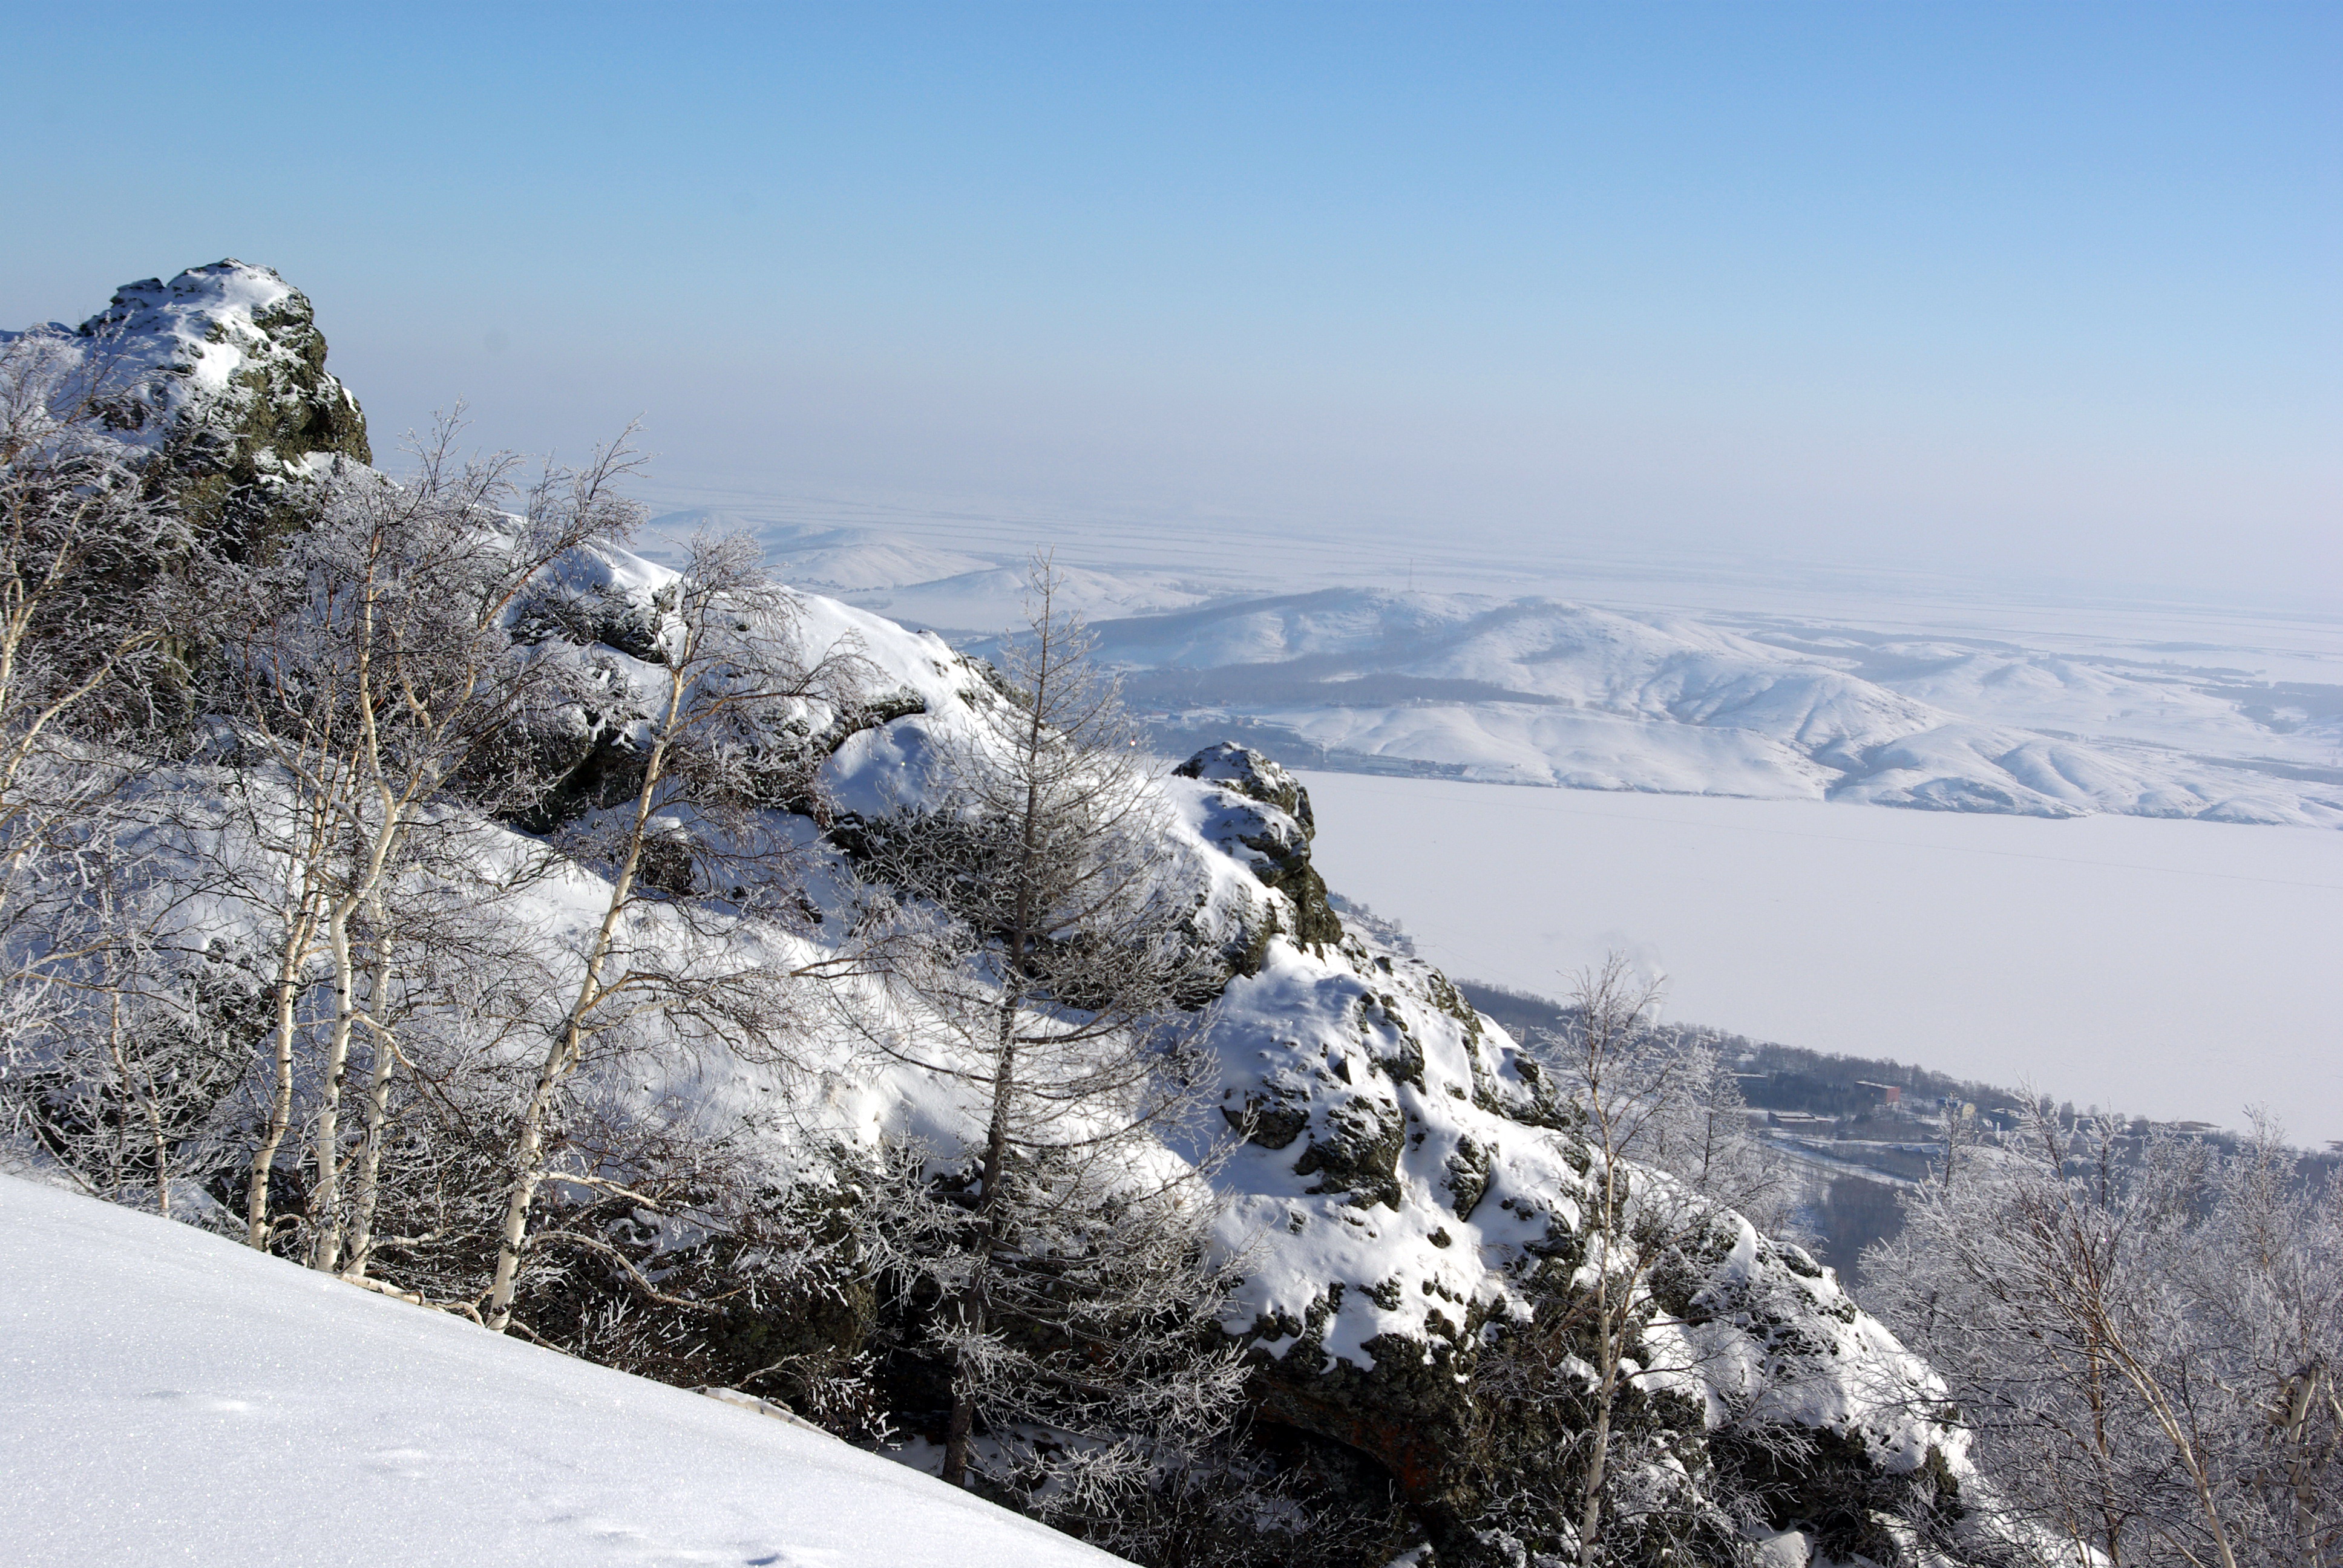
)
(1536, 691)
(2213, 710)
(1403, 1178)
(168, 1396)
(1404, 1187)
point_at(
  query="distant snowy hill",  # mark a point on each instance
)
(1971, 707)
(1540, 692)
(169, 1396)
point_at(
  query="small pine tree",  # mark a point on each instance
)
(1039, 957)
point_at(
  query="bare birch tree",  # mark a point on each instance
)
(87, 602)
(367, 662)
(733, 701)
(1634, 1304)
(97, 578)
(1622, 1081)
(2142, 1330)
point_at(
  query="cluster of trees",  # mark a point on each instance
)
(2144, 1337)
(1599, 1453)
(380, 888)
(2140, 1331)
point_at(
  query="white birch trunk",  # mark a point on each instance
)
(569, 1045)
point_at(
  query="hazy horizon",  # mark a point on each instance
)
(2004, 293)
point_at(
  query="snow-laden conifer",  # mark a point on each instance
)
(1041, 956)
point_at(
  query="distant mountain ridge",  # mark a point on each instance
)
(1960, 712)
(1546, 692)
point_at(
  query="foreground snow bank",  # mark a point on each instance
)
(167, 1396)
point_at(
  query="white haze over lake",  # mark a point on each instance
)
(2181, 970)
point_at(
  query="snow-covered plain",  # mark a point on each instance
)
(2176, 970)
(168, 1396)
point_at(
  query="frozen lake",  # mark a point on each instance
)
(2169, 969)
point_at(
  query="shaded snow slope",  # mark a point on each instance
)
(168, 1396)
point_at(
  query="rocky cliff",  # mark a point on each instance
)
(217, 376)
(1410, 1194)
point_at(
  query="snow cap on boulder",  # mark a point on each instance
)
(1253, 776)
(1258, 814)
(218, 373)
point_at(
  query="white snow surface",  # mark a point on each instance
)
(2181, 970)
(170, 1396)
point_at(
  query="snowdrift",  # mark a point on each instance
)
(168, 1396)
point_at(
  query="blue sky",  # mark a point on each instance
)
(2022, 289)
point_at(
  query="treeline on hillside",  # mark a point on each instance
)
(1774, 1077)
(402, 878)
(389, 880)
(2142, 1325)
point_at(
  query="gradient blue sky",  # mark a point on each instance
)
(2027, 289)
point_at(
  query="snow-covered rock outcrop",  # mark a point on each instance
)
(219, 373)
(1407, 1184)
(1405, 1178)
(1406, 1174)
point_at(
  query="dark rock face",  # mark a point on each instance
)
(1357, 1150)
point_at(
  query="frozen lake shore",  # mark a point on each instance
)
(2173, 969)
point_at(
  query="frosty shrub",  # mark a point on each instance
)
(2144, 1333)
